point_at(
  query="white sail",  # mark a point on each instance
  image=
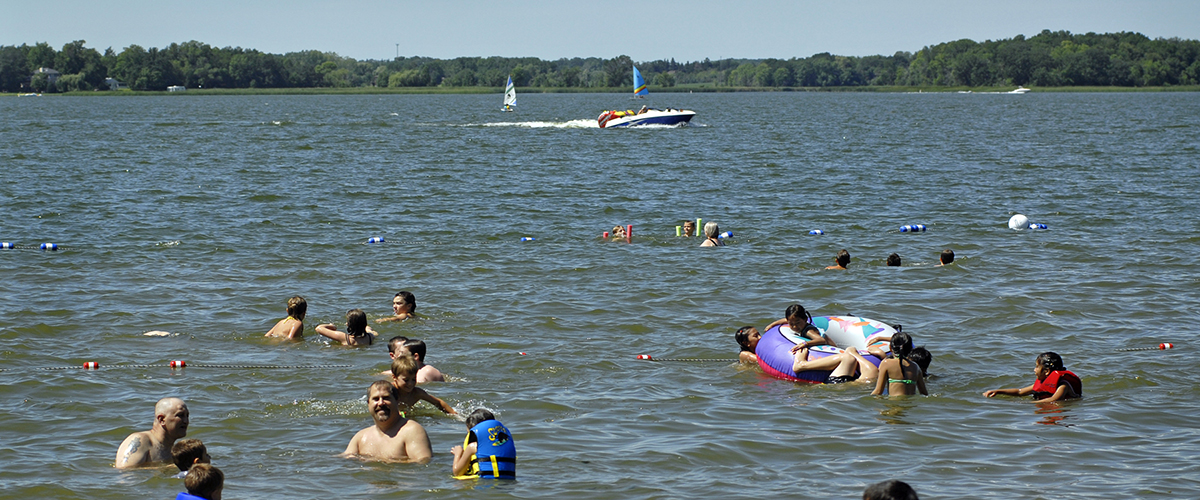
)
(510, 94)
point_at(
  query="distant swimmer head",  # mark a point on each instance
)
(747, 338)
(893, 260)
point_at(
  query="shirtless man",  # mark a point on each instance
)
(415, 348)
(393, 438)
(153, 447)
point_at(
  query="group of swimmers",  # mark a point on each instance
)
(902, 369)
(487, 451)
(712, 238)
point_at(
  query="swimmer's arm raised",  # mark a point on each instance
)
(330, 330)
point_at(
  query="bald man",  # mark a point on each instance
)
(153, 447)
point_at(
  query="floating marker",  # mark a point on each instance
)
(678, 232)
(1018, 222)
(376, 239)
(699, 227)
(6, 245)
(912, 228)
(816, 231)
(726, 234)
(49, 246)
(1037, 226)
(178, 364)
(629, 232)
(521, 353)
(528, 238)
(605, 235)
(1165, 345)
(645, 357)
(91, 365)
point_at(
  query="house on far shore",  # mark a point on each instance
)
(176, 88)
(113, 84)
(51, 74)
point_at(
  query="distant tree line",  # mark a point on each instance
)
(1051, 58)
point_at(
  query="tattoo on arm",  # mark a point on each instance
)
(133, 447)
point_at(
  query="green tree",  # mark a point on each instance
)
(40, 56)
(618, 72)
(13, 68)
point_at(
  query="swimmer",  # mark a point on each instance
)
(203, 482)
(498, 460)
(415, 348)
(393, 438)
(842, 259)
(890, 490)
(188, 452)
(618, 233)
(404, 378)
(800, 321)
(1054, 382)
(357, 332)
(710, 235)
(747, 338)
(898, 375)
(946, 257)
(404, 305)
(893, 260)
(689, 228)
(291, 327)
(153, 447)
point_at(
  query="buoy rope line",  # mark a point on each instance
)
(648, 357)
(92, 365)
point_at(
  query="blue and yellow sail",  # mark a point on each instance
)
(639, 83)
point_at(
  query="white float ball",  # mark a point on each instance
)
(1018, 222)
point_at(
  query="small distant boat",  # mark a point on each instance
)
(510, 96)
(1020, 90)
(646, 115)
(639, 85)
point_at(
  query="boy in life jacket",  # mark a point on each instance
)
(203, 482)
(488, 451)
(1053, 382)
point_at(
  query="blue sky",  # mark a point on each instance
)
(684, 30)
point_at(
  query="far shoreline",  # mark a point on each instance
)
(703, 88)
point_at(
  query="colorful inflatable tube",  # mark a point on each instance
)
(774, 349)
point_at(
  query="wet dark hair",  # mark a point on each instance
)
(356, 322)
(890, 490)
(797, 310)
(479, 415)
(185, 452)
(416, 346)
(204, 480)
(395, 342)
(843, 258)
(893, 260)
(922, 357)
(947, 256)
(409, 299)
(1050, 361)
(743, 338)
(902, 345)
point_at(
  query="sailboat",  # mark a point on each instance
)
(510, 96)
(646, 115)
(639, 85)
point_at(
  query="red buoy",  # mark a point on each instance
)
(91, 365)
(178, 364)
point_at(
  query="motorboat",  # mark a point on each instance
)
(648, 116)
(1019, 90)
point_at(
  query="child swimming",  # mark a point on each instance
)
(1054, 382)
(900, 376)
(747, 338)
(357, 332)
(291, 327)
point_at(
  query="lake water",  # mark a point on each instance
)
(201, 215)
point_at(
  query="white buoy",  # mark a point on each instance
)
(1018, 222)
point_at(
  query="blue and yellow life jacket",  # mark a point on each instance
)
(496, 454)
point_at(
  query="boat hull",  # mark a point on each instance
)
(671, 117)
